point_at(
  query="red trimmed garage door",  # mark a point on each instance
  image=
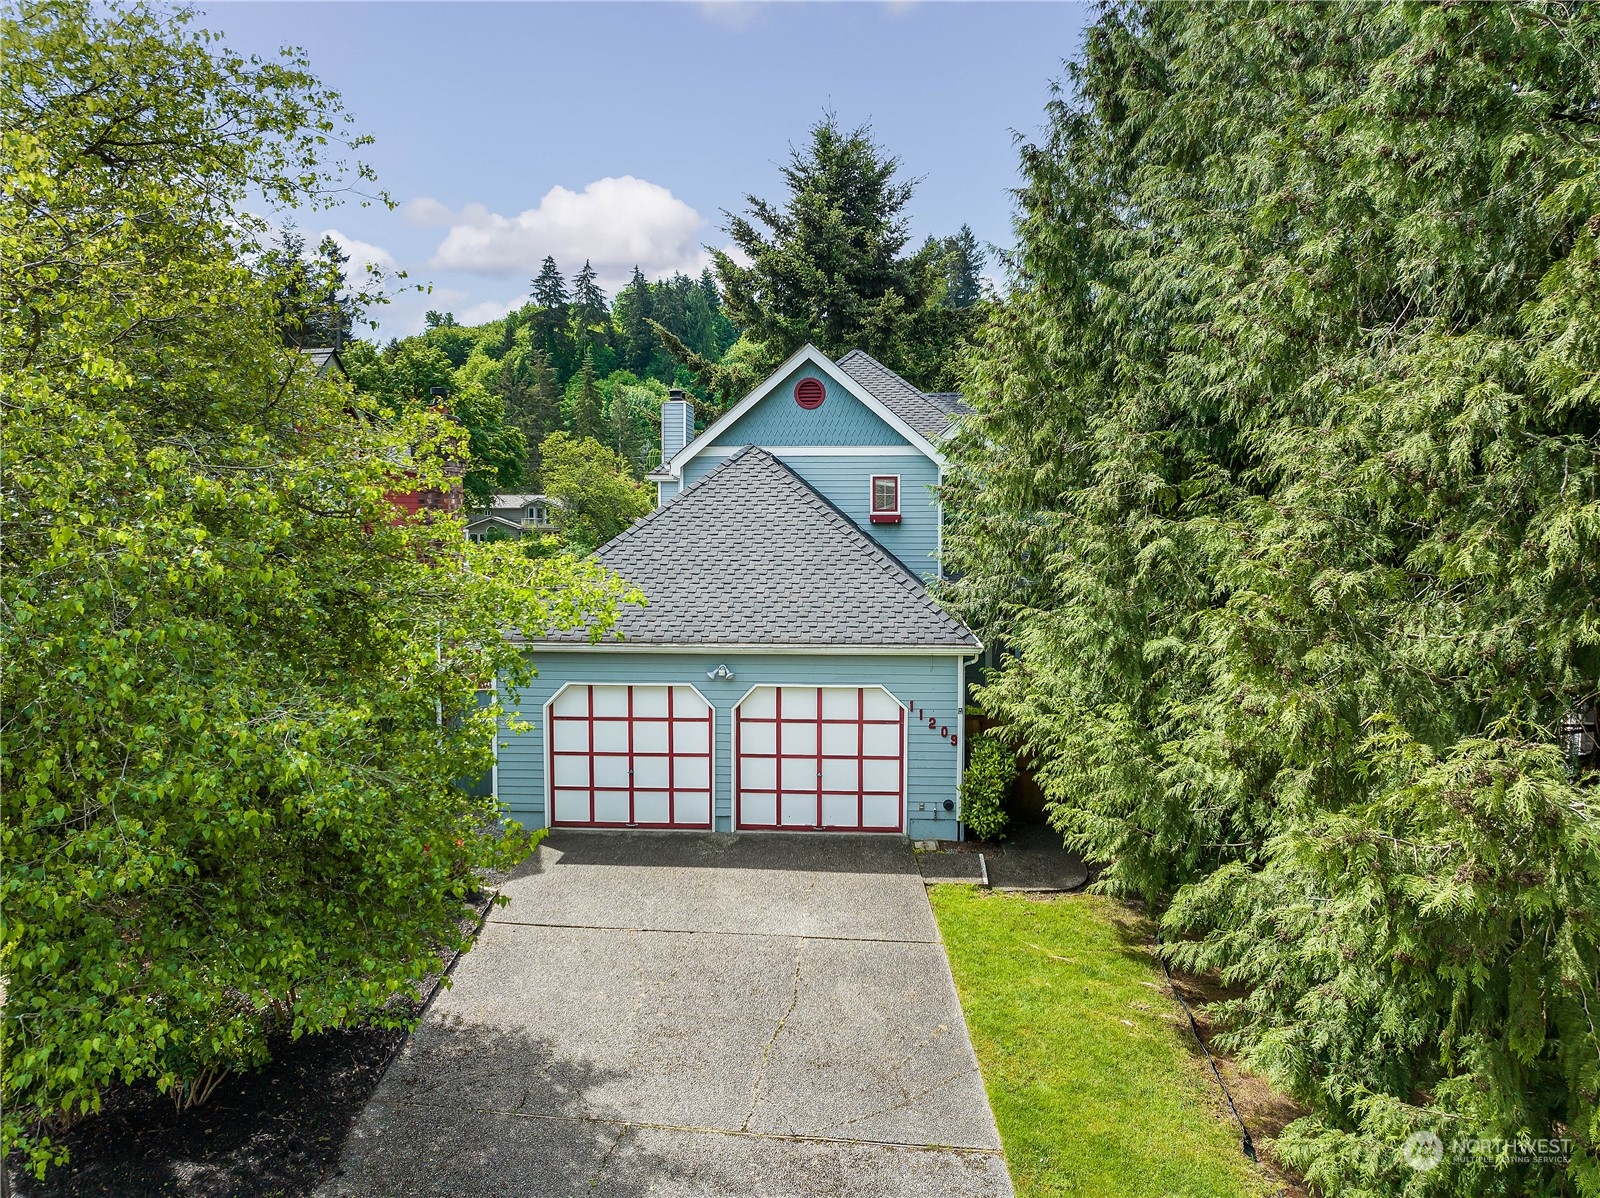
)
(820, 757)
(630, 756)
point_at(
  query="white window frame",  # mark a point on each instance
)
(873, 510)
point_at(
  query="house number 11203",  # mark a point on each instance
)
(944, 730)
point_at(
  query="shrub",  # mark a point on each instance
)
(985, 786)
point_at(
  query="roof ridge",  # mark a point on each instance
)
(650, 517)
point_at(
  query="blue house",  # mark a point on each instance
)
(791, 671)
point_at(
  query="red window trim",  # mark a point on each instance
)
(883, 516)
(672, 719)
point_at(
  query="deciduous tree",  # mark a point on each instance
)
(237, 686)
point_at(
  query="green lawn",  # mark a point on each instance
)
(1095, 1086)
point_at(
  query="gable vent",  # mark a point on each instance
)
(809, 393)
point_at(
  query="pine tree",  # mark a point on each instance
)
(1284, 491)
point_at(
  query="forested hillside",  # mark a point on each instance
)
(831, 267)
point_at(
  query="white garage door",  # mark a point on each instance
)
(630, 756)
(820, 757)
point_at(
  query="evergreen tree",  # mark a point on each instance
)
(963, 269)
(548, 287)
(638, 340)
(587, 418)
(531, 396)
(1284, 490)
(827, 265)
(315, 306)
(625, 438)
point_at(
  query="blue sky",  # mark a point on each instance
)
(620, 131)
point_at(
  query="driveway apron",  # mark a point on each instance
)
(680, 1014)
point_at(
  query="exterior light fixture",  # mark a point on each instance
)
(721, 674)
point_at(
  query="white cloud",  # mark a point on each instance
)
(484, 311)
(362, 253)
(737, 15)
(614, 223)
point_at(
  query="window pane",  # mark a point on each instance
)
(885, 495)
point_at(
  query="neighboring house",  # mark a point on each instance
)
(791, 671)
(511, 516)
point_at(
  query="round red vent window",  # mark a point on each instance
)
(809, 393)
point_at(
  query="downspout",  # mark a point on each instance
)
(961, 723)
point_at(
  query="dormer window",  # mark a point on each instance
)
(885, 499)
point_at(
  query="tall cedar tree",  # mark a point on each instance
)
(230, 802)
(1285, 493)
(827, 265)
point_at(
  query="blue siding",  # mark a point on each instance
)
(925, 682)
(841, 420)
(845, 481)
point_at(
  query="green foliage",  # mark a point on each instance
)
(596, 496)
(1285, 493)
(237, 690)
(828, 265)
(985, 785)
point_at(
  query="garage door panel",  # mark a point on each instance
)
(799, 773)
(652, 773)
(840, 775)
(757, 738)
(610, 700)
(760, 704)
(651, 736)
(880, 776)
(611, 772)
(880, 811)
(880, 705)
(571, 770)
(691, 736)
(760, 810)
(624, 755)
(840, 704)
(650, 701)
(611, 806)
(841, 739)
(693, 773)
(839, 811)
(572, 806)
(816, 746)
(574, 701)
(693, 807)
(799, 810)
(759, 773)
(652, 807)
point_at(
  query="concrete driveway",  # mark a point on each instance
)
(676, 1014)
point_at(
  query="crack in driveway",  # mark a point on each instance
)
(766, 1053)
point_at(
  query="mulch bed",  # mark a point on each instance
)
(271, 1134)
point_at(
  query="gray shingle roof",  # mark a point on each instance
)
(751, 555)
(928, 414)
